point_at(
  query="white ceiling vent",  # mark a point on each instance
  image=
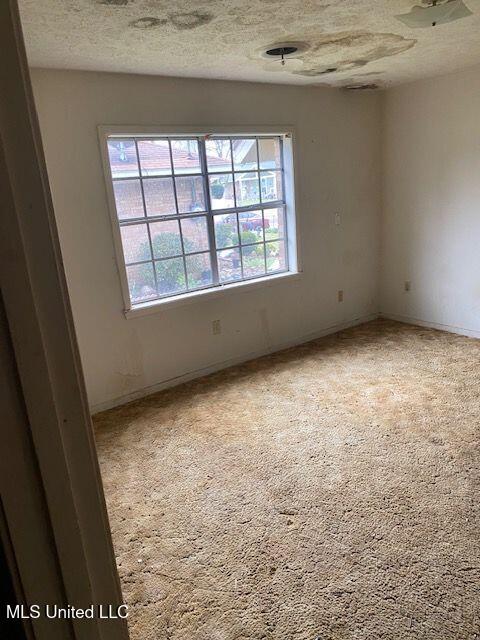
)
(436, 12)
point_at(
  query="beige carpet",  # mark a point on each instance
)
(330, 491)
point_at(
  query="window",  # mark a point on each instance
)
(198, 212)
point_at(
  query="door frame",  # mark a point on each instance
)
(47, 361)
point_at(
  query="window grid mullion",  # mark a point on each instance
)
(239, 243)
(222, 172)
(284, 217)
(215, 212)
(236, 209)
(263, 215)
(176, 207)
(271, 204)
(210, 221)
(160, 176)
(145, 214)
(161, 218)
(183, 253)
(264, 242)
(260, 193)
(199, 253)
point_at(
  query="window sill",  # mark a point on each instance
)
(157, 306)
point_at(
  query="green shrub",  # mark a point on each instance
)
(249, 237)
(224, 234)
(171, 276)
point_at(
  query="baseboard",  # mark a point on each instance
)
(224, 364)
(471, 333)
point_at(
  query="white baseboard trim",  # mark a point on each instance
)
(471, 333)
(224, 364)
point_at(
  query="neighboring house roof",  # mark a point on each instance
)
(154, 157)
(242, 148)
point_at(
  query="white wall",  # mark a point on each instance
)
(431, 202)
(338, 169)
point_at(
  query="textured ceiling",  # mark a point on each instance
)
(220, 39)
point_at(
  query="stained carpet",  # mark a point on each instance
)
(329, 491)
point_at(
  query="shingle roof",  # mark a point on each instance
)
(154, 156)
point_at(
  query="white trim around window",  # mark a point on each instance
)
(231, 224)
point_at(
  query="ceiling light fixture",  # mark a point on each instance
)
(283, 56)
(437, 12)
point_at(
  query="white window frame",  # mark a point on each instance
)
(214, 290)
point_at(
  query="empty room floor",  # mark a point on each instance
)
(328, 491)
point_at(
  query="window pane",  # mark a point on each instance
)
(271, 185)
(229, 265)
(226, 234)
(128, 199)
(136, 246)
(195, 234)
(269, 153)
(154, 157)
(273, 223)
(276, 259)
(221, 191)
(199, 270)
(253, 260)
(168, 176)
(123, 158)
(219, 155)
(250, 224)
(141, 282)
(170, 276)
(190, 194)
(244, 154)
(159, 196)
(166, 241)
(185, 156)
(246, 189)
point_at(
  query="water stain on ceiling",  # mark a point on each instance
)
(181, 21)
(116, 3)
(361, 87)
(190, 20)
(147, 22)
(220, 38)
(347, 51)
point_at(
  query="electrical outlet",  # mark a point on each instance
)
(408, 285)
(337, 219)
(340, 295)
(216, 327)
